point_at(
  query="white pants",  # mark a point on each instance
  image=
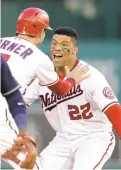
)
(90, 153)
(8, 133)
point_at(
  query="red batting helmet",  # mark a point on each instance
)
(31, 21)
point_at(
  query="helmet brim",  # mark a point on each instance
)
(49, 28)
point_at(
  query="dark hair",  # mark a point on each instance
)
(67, 31)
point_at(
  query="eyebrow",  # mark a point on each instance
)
(65, 41)
(62, 41)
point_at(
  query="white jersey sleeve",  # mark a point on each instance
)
(100, 92)
(27, 62)
(46, 74)
(32, 92)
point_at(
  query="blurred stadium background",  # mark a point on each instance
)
(98, 23)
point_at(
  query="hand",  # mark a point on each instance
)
(23, 151)
(79, 73)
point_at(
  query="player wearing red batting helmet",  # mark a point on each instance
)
(33, 22)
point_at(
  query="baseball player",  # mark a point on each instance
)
(27, 62)
(24, 58)
(18, 110)
(82, 118)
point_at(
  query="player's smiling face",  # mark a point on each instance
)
(62, 50)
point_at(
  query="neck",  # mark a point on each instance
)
(61, 70)
(28, 38)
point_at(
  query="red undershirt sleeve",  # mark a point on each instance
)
(114, 115)
(62, 86)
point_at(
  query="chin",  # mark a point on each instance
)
(56, 64)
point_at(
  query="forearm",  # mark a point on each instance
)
(17, 109)
(62, 86)
(114, 115)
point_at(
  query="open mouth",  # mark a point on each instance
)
(58, 56)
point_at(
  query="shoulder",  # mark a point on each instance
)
(37, 57)
(41, 56)
(43, 61)
(2, 39)
(95, 77)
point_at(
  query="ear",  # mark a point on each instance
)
(75, 50)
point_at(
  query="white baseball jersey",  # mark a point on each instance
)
(79, 112)
(27, 62)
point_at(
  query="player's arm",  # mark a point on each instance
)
(47, 74)
(113, 113)
(32, 92)
(106, 100)
(62, 87)
(10, 90)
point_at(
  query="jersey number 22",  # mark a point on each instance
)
(74, 112)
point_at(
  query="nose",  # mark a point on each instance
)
(57, 47)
